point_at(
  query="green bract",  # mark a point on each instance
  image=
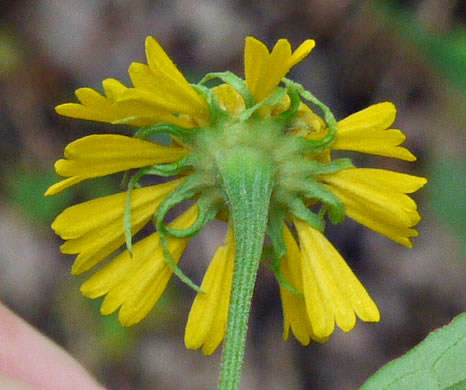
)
(215, 151)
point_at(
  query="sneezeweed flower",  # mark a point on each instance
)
(252, 153)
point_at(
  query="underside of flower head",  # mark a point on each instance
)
(212, 131)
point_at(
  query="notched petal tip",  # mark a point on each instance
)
(61, 107)
(348, 321)
(302, 51)
(128, 318)
(63, 185)
(282, 46)
(371, 314)
(69, 109)
(250, 40)
(90, 290)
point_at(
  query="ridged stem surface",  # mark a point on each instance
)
(247, 180)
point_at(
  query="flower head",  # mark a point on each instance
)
(242, 145)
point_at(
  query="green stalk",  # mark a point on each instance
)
(247, 180)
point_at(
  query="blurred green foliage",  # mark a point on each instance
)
(446, 51)
(446, 186)
(26, 189)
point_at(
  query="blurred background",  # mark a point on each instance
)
(412, 53)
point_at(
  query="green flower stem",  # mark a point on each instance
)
(247, 181)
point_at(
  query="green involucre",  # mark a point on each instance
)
(293, 172)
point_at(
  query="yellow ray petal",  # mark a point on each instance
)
(82, 218)
(365, 132)
(264, 71)
(142, 78)
(273, 70)
(318, 307)
(317, 294)
(294, 308)
(341, 291)
(63, 185)
(378, 143)
(317, 259)
(147, 262)
(146, 285)
(101, 155)
(301, 52)
(165, 71)
(208, 316)
(118, 147)
(105, 109)
(158, 92)
(136, 283)
(101, 282)
(356, 210)
(88, 96)
(163, 99)
(255, 55)
(97, 226)
(98, 245)
(113, 89)
(159, 62)
(376, 117)
(229, 99)
(355, 295)
(377, 199)
(161, 93)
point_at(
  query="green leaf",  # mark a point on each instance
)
(439, 362)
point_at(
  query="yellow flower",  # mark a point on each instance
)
(252, 117)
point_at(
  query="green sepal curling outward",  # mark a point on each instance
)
(278, 250)
(295, 102)
(234, 81)
(216, 113)
(165, 128)
(275, 98)
(163, 170)
(209, 205)
(189, 188)
(329, 139)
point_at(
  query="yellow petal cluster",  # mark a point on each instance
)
(94, 229)
(159, 94)
(295, 316)
(377, 199)
(366, 132)
(135, 283)
(332, 292)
